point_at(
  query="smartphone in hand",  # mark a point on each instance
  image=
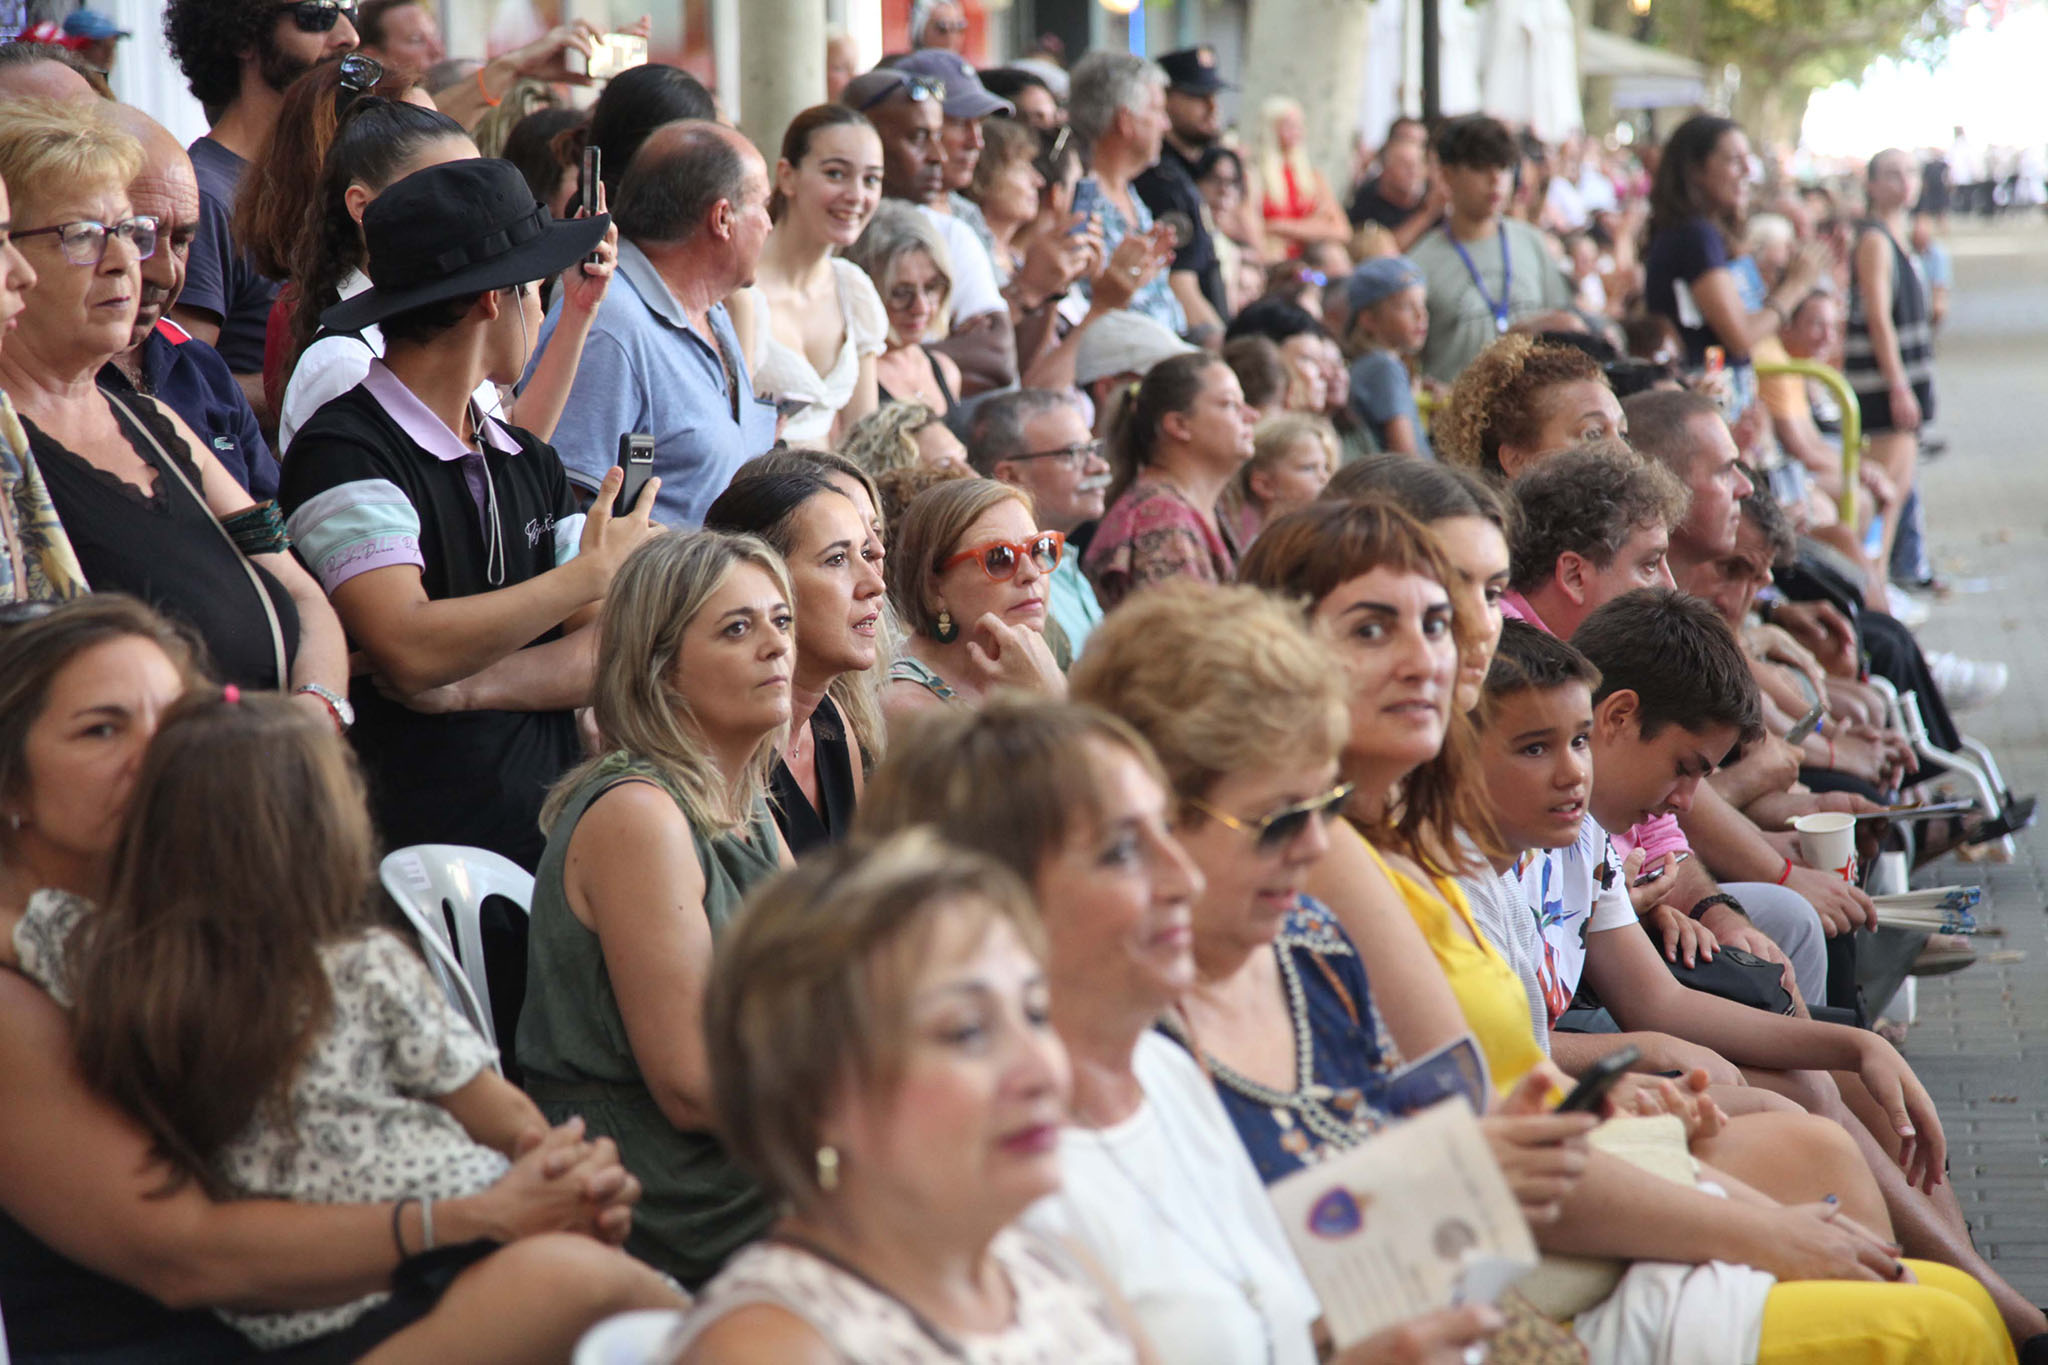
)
(636, 457)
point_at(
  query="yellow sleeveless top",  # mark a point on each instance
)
(1495, 1005)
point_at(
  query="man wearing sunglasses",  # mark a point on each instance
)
(908, 110)
(1038, 440)
(238, 56)
(162, 360)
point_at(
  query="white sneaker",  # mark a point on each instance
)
(1967, 683)
(1908, 610)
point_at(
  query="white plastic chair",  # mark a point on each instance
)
(635, 1338)
(436, 883)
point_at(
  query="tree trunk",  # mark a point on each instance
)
(1313, 51)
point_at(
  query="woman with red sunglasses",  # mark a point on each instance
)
(968, 575)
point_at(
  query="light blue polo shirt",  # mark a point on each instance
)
(645, 369)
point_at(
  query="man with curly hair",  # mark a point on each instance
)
(238, 56)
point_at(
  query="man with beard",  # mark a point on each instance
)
(238, 56)
(163, 360)
(1168, 188)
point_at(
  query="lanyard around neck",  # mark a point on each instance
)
(1497, 307)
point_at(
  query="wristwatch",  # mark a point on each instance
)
(337, 705)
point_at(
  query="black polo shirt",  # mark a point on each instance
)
(1169, 187)
(375, 480)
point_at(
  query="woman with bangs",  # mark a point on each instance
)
(651, 848)
(1371, 582)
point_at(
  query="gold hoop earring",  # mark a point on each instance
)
(828, 1168)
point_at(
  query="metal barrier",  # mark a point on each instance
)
(1852, 423)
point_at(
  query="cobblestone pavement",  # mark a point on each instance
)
(1981, 1043)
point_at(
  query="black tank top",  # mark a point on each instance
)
(938, 377)
(804, 826)
(165, 548)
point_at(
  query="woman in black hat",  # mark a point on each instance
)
(453, 549)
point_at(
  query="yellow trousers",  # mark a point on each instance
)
(1946, 1319)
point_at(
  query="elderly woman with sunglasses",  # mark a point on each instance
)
(146, 506)
(969, 574)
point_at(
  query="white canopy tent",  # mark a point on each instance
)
(1644, 77)
(1529, 60)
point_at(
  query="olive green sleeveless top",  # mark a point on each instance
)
(698, 1207)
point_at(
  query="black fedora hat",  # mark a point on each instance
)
(464, 227)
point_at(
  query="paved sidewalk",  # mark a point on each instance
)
(1981, 1045)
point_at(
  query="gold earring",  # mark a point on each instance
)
(945, 632)
(828, 1168)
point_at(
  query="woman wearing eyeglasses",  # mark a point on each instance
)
(968, 573)
(907, 260)
(146, 506)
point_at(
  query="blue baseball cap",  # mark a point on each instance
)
(92, 26)
(1380, 278)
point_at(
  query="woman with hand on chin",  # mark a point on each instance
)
(822, 536)
(884, 1063)
(651, 848)
(817, 323)
(969, 577)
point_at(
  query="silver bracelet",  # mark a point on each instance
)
(427, 1222)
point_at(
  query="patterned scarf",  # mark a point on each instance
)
(39, 564)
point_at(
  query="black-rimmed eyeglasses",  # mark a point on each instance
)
(85, 241)
(1078, 454)
(318, 16)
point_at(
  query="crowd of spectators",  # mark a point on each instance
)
(1114, 647)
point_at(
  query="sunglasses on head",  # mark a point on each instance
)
(1000, 559)
(318, 16)
(918, 88)
(1277, 829)
(357, 74)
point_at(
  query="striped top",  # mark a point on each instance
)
(1909, 319)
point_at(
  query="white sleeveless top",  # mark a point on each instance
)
(1062, 1318)
(785, 372)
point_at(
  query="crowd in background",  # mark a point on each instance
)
(1037, 653)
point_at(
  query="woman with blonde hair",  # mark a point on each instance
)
(906, 258)
(1293, 456)
(651, 848)
(146, 506)
(902, 434)
(1296, 201)
(969, 580)
(1523, 398)
(883, 1065)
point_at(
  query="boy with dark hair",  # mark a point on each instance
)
(1549, 719)
(1596, 522)
(1483, 269)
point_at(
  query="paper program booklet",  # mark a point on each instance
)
(1416, 1217)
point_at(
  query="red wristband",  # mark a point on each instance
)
(1786, 875)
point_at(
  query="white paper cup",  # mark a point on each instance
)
(1827, 840)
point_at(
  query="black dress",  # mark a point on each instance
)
(166, 548)
(804, 826)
